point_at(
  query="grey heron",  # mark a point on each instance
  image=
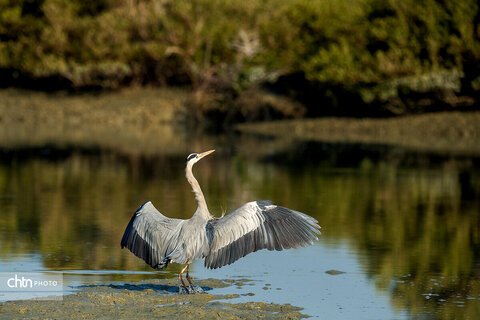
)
(256, 225)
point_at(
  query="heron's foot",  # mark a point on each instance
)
(184, 290)
(190, 290)
(196, 289)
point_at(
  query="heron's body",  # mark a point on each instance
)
(256, 225)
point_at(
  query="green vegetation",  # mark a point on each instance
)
(370, 49)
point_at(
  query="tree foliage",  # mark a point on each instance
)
(357, 43)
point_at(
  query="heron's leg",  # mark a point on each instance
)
(181, 279)
(188, 278)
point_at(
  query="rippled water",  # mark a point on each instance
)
(402, 227)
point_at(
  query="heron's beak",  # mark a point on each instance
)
(206, 153)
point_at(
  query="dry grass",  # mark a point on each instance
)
(446, 132)
(138, 120)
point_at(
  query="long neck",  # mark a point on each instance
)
(202, 208)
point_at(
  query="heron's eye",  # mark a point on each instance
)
(191, 156)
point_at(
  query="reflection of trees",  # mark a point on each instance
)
(426, 234)
(418, 229)
(420, 240)
(75, 211)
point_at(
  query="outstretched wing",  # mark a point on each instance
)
(254, 226)
(151, 236)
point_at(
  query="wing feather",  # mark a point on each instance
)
(254, 226)
(151, 236)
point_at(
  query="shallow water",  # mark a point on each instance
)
(403, 227)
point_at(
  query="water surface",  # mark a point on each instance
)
(403, 227)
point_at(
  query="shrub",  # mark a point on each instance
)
(228, 46)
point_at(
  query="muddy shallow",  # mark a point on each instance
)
(147, 299)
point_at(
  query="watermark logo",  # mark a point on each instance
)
(31, 285)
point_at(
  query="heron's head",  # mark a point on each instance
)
(195, 157)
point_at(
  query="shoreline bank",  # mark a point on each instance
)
(149, 121)
(444, 132)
